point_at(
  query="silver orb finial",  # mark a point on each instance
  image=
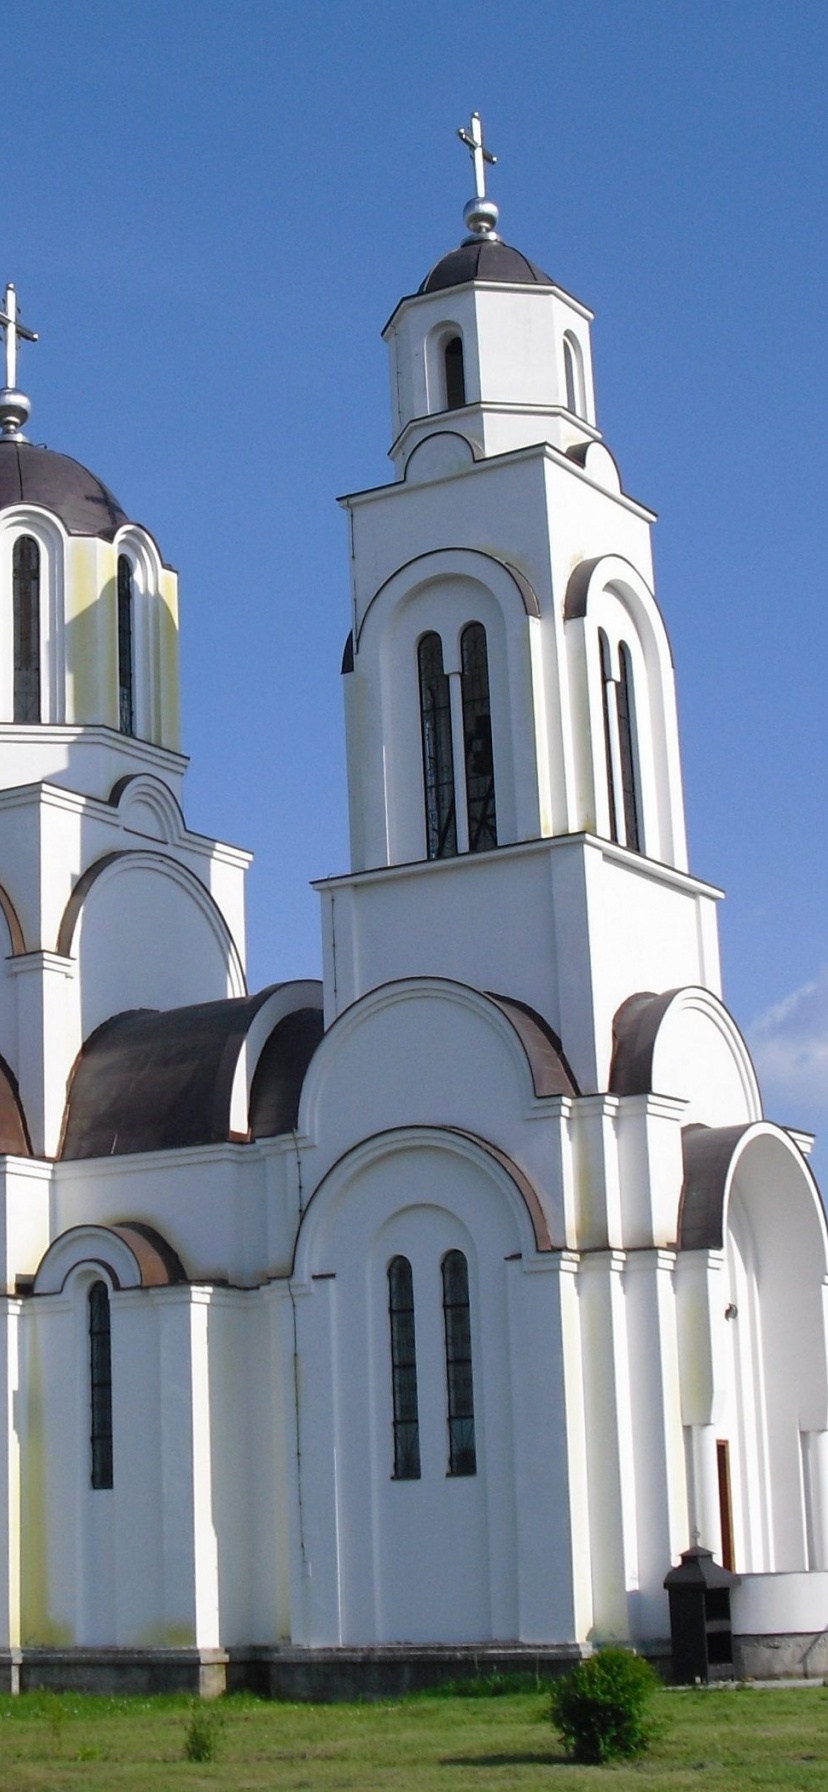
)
(481, 214)
(15, 407)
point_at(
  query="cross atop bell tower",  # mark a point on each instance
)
(480, 215)
(14, 405)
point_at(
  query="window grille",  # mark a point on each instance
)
(459, 1384)
(403, 1371)
(455, 374)
(26, 603)
(438, 769)
(100, 1383)
(626, 738)
(126, 691)
(477, 737)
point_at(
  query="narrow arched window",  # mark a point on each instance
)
(477, 739)
(438, 768)
(100, 1385)
(126, 682)
(26, 603)
(607, 705)
(459, 1384)
(573, 376)
(403, 1370)
(455, 374)
(626, 742)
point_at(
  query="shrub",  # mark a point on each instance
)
(201, 1735)
(600, 1709)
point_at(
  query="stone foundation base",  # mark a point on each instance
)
(200, 1672)
(330, 1675)
(790, 1657)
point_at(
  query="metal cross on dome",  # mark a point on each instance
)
(480, 155)
(12, 328)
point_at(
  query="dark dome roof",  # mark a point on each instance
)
(481, 259)
(30, 475)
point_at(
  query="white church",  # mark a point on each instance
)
(439, 1306)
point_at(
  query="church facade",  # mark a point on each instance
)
(446, 1301)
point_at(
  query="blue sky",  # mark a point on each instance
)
(210, 210)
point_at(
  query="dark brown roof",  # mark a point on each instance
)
(30, 475)
(160, 1081)
(481, 259)
(708, 1153)
(14, 1133)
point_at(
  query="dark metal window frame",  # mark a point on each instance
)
(626, 737)
(26, 607)
(406, 1420)
(438, 764)
(459, 1374)
(126, 646)
(477, 739)
(100, 1386)
(607, 696)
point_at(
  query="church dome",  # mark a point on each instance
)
(481, 258)
(31, 475)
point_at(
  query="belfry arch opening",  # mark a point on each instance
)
(454, 373)
(26, 605)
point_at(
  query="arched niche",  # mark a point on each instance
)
(750, 1201)
(154, 636)
(43, 528)
(146, 934)
(441, 593)
(610, 597)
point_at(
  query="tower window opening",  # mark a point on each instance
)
(608, 699)
(438, 769)
(477, 739)
(126, 682)
(626, 741)
(459, 1383)
(403, 1371)
(455, 374)
(100, 1386)
(573, 377)
(26, 604)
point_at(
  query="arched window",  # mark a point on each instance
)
(477, 739)
(455, 374)
(403, 1370)
(100, 1385)
(26, 603)
(438, 769)
(126, 689)
(608, 703)
(626, 742)
(573, 376)
(459, 1384)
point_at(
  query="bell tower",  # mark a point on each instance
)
(517, 815)
(108, 901)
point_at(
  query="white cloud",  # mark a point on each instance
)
(789, 1043)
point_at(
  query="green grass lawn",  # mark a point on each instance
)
(728, 1739)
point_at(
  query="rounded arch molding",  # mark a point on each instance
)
(504, 580)
(713, 1157)
(636, 1030)
(613, 572)
(124, 857)
(132, 1255)
(13, 923)
(535, 1050)
(520, 1193)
